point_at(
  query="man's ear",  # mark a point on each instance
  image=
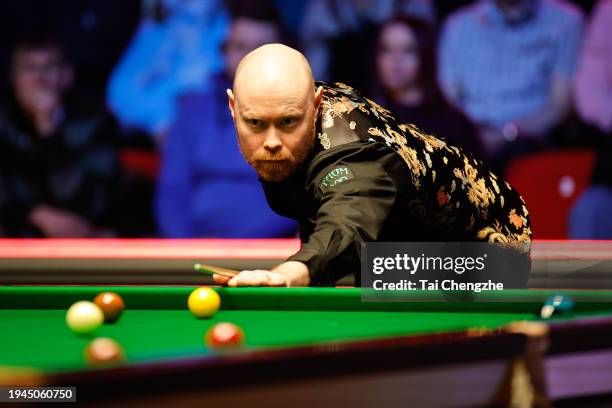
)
(232, 103)
(318, 98)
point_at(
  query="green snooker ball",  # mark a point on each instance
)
(556, 304)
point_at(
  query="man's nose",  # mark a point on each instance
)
(272, 143)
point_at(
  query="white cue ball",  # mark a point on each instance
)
(84, 317)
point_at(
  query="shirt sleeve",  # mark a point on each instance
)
(568, 46)
(134, 93)
(352, 210)
(101, 168)
(450, 56)
(14, 207)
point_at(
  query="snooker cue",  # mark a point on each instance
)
(211, 270)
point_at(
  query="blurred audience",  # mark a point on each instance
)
(206, 189)
(509, 64)
(94, 33)
(504, 82)
(337, 35)
(176, 50)
(591, 215)
(406, 82)
(58, 165)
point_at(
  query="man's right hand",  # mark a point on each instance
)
(56, 223)
(45, 106)
(42, 105)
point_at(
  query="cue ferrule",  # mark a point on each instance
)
(212, 270)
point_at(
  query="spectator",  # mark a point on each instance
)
(406, 82)
(206, 189)
(593, 85)
(58, 165)
(591, 216)
(337, 34)
(93, 33)
(179, 52)
(508, 64)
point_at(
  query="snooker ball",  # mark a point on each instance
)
(111, 305)
(224, 335)
(103, 351)
(204, 302)
(556, 304)
(84, 317)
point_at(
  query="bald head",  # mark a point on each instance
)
(275, 106)
(273, 69)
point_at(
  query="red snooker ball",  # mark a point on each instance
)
(224, 335)
(104, 351)
(111, 305)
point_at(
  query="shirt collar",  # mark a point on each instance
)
(493, 14)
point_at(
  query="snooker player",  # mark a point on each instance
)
(348, 172)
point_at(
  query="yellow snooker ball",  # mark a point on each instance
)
(204, 302)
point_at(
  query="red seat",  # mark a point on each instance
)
(550, 182)
(140, 162)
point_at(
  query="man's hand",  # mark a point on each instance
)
(42, 104)
(56, 223)
(289, 274)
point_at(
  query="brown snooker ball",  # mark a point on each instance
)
(224, 335)
(111, 305)
(103, 351)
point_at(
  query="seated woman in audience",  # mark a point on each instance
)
(406, 82)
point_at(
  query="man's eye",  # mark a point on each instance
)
(254, 122)
(287, 121)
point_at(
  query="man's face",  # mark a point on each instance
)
(38, 73)
(244, 36)
(276, 130)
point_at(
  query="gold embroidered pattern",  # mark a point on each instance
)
(428, 159)
(460, 186)
(324, 139)
(431, 142)
(408, 154)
